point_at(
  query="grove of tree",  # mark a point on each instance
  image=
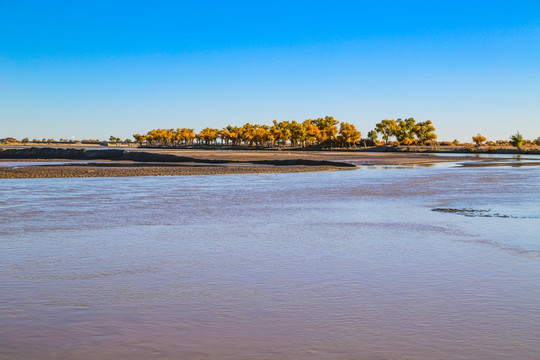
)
(405, 131)
(320, 131)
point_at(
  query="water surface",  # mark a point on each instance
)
(336, 265)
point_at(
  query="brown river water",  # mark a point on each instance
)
(335, 265)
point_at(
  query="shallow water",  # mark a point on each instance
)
(337, 265)
(19, 164)
(491, 156)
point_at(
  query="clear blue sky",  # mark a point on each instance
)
(91, 69)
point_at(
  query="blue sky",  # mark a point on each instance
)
(91, 69)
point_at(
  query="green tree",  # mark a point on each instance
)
(372, 135)
(387, 128)
(425, 131)
(405, 131)
(114, 139)
(516, 140)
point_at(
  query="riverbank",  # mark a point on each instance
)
(528, 149)
(112, 170)
(39, 162)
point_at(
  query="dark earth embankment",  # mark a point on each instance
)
(149, 157)
(47, 162)
(122, 163)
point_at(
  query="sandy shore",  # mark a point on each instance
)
(150, 162)
(113, 171)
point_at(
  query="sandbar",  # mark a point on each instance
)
(73, 162)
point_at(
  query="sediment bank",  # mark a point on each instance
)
(121, 163)
(112, 171)
(152, 156)
(80, 162)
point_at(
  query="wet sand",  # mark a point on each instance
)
(123, 171)
(157, 162)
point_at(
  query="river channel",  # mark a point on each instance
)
(375, 263)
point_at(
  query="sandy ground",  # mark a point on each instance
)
(241, 162)
(357, 158)
(113, 171)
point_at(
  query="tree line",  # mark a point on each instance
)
(405, 131)
(516, 140)
(326, 131)
(320, 131)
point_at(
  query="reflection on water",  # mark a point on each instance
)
(346, 265)
(479, 213)
(19, 164)
(491, 156)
